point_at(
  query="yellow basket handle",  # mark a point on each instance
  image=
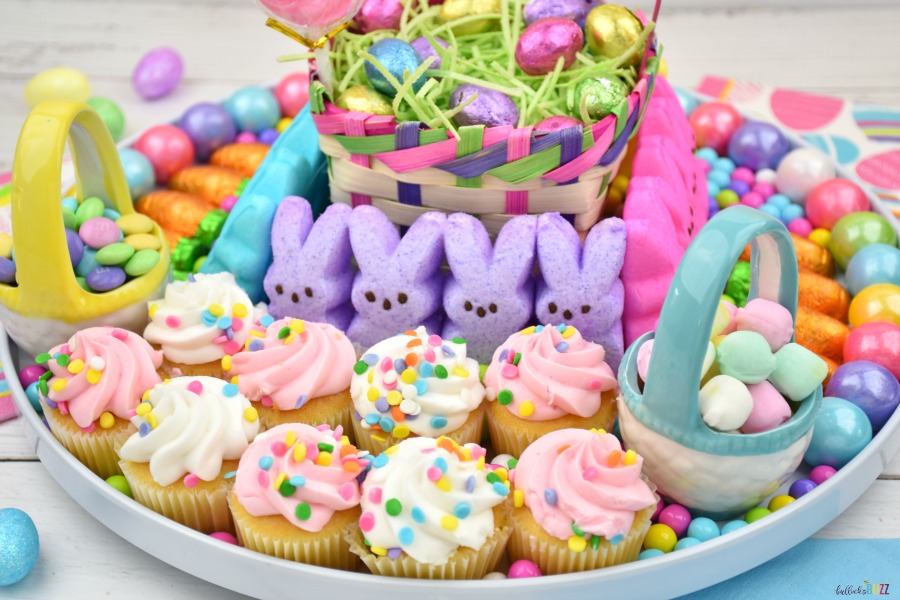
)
(46, 280)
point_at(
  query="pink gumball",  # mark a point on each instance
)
(522, 569)
(660, 505)
(753, 200)
(677, 517)
(168, 148)
(878, 342)
(379, 14)
(831, 200)
(246, 137)
(292, 93)
(743, 174)
(224, 536)
(801, 227)
(764, 189)
(312, 18)
(714, 123)
(821, 474)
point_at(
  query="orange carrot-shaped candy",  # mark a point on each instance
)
(176, 212)
(208, 182)
(242, 158)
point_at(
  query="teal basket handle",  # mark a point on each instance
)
(682, 334)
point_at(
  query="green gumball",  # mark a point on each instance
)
(856, 231)
(110, 114)
(121, 484)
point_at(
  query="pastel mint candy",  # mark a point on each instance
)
(114, 254)
(104, 279)
(69, 219)
(725, 403)
(7, 270)
(798, 372)
(746, 356)
(142, 262)
(90, 208)
(87, 263)
(83, 283)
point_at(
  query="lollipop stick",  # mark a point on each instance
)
(323, 66)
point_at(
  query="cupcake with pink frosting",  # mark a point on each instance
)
(580, 503)
(545, 378)
(295, 371)
(296, 495)
(93, 385)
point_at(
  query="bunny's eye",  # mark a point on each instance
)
(467, 305)
(279, 289)
(308, 292)
(480, 311)
(402, 298)
(552, 308)
(567, 314)
(295, 297)
(370, 296)
(492, 307)
(585, 309)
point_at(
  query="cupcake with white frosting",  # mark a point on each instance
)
(430, 510)
(198, 322)
(416, 384)
(191, 433)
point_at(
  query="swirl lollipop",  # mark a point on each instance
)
(312, 23)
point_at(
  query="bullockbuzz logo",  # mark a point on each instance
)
(866, 589)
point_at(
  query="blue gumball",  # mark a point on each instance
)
(733, 526)
(869, 386)
(70, 202)
(791, 212)
(19, 545)
(686, 543)
(138, 172)
(34, 396)
(840, 432)
(650, 553)
(703, 529)
(253, 109)
(875, 263)
(397, 57)
(708, 155)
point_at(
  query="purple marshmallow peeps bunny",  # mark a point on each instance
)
(398, 286)
(489, 293)
(581, 286)
(312, 272)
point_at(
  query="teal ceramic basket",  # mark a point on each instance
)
(719, 474)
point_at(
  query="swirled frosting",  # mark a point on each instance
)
(289, 361)
(188, 426)
(200, 321)
(100, 370)
(546, 372)
(575, 479)
(301, 472)
(416, 383)
(427, 498)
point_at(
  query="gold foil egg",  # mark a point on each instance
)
(361, 98)
(611, 30)
(453, 10)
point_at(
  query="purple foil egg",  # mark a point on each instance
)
(573, 10)
(491, 108)
(557, 123)
(545, 41)
(425, 50)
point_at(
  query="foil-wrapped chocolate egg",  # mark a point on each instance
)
(611, 30)
(453, 10)
(574, 10)
(543, 43)
(361, 98)
(379, 14)
(557, 123)
(600, 95)
(396, 56)
(426, 50)
(490, 108)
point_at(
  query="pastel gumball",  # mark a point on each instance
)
(312, 270)
(798, 372)
(746, 356)
(399, 283)
(769, 319)
(580, 285)
(489, 294)
(770, 409)
(725, 403)
(724, 321)
(643, 359)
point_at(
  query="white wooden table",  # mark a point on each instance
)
(849, 52)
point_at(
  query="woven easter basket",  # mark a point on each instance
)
(407, 168)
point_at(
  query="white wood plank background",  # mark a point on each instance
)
(844, 48)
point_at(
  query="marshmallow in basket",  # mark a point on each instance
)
(718, 473)
(46, 305)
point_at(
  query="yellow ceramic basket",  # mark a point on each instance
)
(48, 306)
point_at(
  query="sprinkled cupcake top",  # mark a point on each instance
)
(428, 497)
(580, 485)
(187, 426)
(289, 361)
(200, 321)
(546, 372)
(416, 383)
(301, 472)
(100, 374)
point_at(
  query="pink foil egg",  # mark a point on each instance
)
(158, 73)
(379, 14)
(545, 41)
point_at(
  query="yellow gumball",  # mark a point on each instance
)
(660, 537)
(60, 83)
(879, 302)
(779, 502)
(663, 69)
(820, 236)
(282, 124)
